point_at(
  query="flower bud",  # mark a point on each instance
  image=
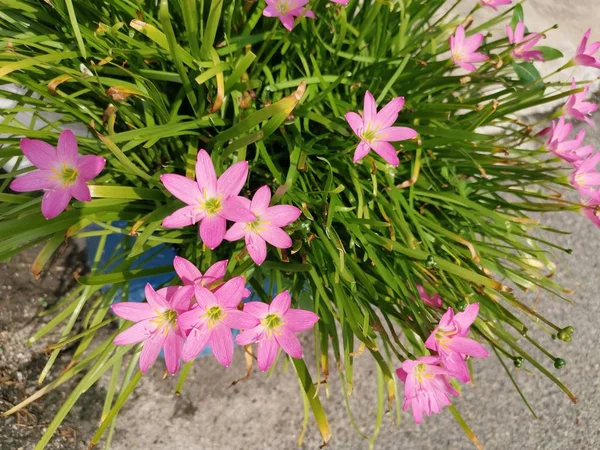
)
(518, 361)
(559, 363)
(430, 263)
(461, 305)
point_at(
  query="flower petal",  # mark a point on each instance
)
(190, 319)
(393, 134)
(212, 231)
(257, 309)
(468, 316)
(386, 151)
(80, 190)
(281, 303)
(237, 231)
(206, 177)
(89, 166)
(266, 353)
(181, 187)
(39, 153)
(289, 342)
(257, 248)
(138, 332)
(235, 209)
(55, 202)
(34, 181)
(300, 319)
(362, 150)
(133, 311)
(287, 22)
(181, 300)
(151, 349)
(215, 272)
(270, 11)
(221, 344)
(230, 294)
(261, 200)
(250, 335)
(276, 237)
(66, 148)
(233, 179)
(204, 297)
(355, 122)
(195, 343)
(389, 113)
(173, 346)
(468, 347)
(240, 320)
(155, 300)
(186, 271)
(281, 215)
(370, 109)
(183, 217)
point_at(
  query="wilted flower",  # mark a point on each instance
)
(586, 179)
(210, 201)
(156, 324)
(211, 321)
(495, 3)
(577, 108)
(584, 56)
(63, 172)
(464, 49)
(524, 44)
(267, 227)
(449, 340)
(434, 300)
(571, 151)
(375, 129)
(426, 386)
(278, 323)
(287, 11)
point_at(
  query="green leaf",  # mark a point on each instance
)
(550, 53)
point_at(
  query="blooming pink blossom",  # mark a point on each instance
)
(571, 151)
(426, 386)
(495, 3)
(277, 325)
(210, 201)
(211, 321)
(591, 210)
(156, 324)
(586, 179)
(434, 300)
(266, 228)
(287, 11)
(464, 49)
(584, 56)
(450, 341)
(212, 278)
(577, 108)
(62, 172)
(524, 44)
(375, 129)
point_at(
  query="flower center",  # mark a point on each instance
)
(211, 205)
(257, 226)
(459, 55)
(166, 320)
(214, 314)
(67, 175)
(368, 134)
(421, 372)
(283, 7)
(271, 322)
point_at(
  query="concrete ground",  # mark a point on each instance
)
(266, 413)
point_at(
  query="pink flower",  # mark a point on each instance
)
(586, 179)
(212, 278)
(63, 172)
(495, 3)
(524, 44)
(426, 386)
(156, 324)
(375, 129)
(569, 150)
(591, 210)
(277, 325)
(584, 56)
(287, 10)
(577, 108)
(450, 341)
(211, 321)
(464, 49)
(435, 300)
(210, 201)
(266, 228)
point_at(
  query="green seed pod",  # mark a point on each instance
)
(559, 363)
(430, 263)
(569, 329)
(562, 335)
(461, 305)
(518, 361)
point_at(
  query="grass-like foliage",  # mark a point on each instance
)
(154, 82)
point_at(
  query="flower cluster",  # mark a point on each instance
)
(183, 320)
(427, 379)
